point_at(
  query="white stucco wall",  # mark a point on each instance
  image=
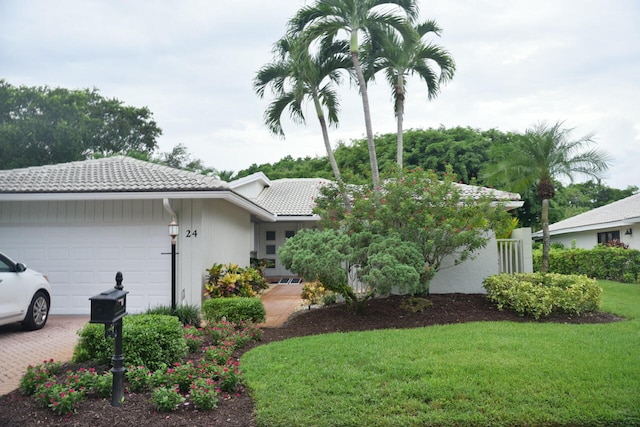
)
(466, 277)
(211, 231)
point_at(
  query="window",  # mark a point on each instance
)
(271, 249)
(607, 236)
(271, 235)
(271, 263)
(289, 233)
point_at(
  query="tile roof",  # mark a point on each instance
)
(291, 196)
(626, 210)
(476, 192)
(111, 174)
(296, 196)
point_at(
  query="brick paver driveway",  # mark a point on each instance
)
(19, 349)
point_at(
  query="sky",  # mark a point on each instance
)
(192, 63)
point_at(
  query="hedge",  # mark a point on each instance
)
(538, 295)
(601, 262)
(151, 340)
(235, 310)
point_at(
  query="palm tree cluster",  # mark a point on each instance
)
(359, 38)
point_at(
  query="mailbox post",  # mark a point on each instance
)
(108, 308)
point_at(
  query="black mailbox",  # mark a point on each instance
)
(109, 306)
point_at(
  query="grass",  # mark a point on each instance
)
(476, 374)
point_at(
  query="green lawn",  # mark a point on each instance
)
(476, 374)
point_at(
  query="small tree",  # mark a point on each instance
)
(397, 242)
(433, 213)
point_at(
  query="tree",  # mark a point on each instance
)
(295, 76)
(398, 241)
(40, 125)
(401, 57)
(545, 153)
(329, 18)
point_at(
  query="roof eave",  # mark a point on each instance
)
(225, 194)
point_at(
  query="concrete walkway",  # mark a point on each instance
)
(19, 349)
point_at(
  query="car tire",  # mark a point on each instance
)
(38, 312)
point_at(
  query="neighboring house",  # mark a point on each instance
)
(619, 220)
(82, 222)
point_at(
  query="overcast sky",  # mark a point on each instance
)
(519, 62)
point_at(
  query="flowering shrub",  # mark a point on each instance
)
(204, 394)
(239, 333)
(37, 375)
(231, 280)
(218, 354)
(167, 399)
(139, 377)
(194, 338)
(182, 375)
(61, 398)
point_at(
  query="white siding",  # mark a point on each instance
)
(81, 245)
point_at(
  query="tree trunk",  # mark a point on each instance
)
(373, 159)
(332, 158)
(400, 117)
(546, 239)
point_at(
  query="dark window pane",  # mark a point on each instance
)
(271, 235)
(271, 249)
(289, 233)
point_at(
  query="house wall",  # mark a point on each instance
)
(211, 231)
(280, 229)
(466, 277)
(589, 239)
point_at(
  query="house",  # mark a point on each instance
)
(81, 222)
(615, 221)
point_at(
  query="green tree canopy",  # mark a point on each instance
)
(542, 155)
(41, 125)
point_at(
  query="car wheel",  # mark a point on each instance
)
(38, 312)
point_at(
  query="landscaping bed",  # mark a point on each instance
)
(237, 408)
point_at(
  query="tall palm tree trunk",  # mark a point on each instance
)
(546, 238)
(332, 157)
(373, 158)
(400, 118)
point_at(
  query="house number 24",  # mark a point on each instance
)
(192, 233)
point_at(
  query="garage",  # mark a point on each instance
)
(81, 260)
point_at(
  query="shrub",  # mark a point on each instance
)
(166, 399)
(147, 339)
(234, 310)
(187, 314)
(60, 398)
(601, 262)
(538, 294)
(139, 378)
(231, 280)
(204, 394)
(313, 292)
(38, 375)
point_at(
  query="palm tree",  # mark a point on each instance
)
(329, 18)
(544, 154)
(401, 57)
(296, 76)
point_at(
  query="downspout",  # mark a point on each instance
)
(170, 211)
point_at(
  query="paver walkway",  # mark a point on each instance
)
(19, 349)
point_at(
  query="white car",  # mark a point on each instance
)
(25, 295)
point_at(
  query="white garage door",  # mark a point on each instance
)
(82, 261)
